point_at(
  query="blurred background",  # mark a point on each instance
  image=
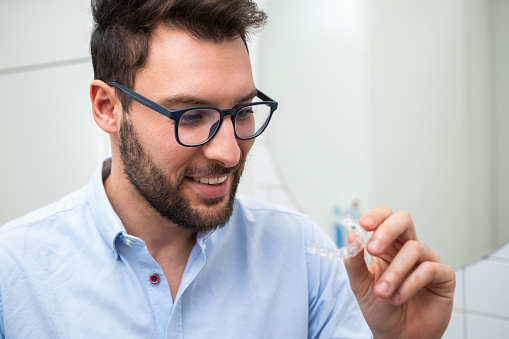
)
(395, 102)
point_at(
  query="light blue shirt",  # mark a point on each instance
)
(70, 270)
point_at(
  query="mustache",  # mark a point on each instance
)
(213, 169)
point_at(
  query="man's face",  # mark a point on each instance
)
(193, 187)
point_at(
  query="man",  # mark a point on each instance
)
(157, 245)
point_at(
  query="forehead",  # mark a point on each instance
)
(179, 63)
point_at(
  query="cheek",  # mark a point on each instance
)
(245, 146)
(165, 151)
(173, 157)
(160, 143)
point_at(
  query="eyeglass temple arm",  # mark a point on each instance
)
(264, 96)
(142, 100)
(163, 110)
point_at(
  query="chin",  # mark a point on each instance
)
(208, 202)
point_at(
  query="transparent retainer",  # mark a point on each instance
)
(350, 250)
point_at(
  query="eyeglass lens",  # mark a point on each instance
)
(198, 125)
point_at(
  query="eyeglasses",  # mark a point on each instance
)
(195, 126)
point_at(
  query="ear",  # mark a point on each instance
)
(106, 106)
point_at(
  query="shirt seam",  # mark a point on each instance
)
(2, 329)
(308, 270)
(282, 211)
(37, 222)
(245, 202)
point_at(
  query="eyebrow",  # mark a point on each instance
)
(191, 100)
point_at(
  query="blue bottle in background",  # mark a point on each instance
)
(341, 233)
(340, 237)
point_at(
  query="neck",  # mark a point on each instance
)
(141, 220)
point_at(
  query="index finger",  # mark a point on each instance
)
(374, 218)
(388, 227)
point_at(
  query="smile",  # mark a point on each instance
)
(211, 181)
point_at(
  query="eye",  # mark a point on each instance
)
(197, 117)
(245, 113)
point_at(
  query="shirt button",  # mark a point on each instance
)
(154, 279)
(128, 242)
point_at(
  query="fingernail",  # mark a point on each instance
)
(383, 287)
(396, 297)
(375, 245)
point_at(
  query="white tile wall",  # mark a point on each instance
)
(456, 328)
(459, 294)
(486, 287)
(45, 72)
(39, 32)
(49, 143)
(501, 253)
(482, 326)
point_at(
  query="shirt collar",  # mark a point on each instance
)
(106, 220)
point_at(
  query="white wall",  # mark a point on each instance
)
(431, 111)
(49, 143)
(500, 11)
(448, 41)
(390, 102)
(314, 57)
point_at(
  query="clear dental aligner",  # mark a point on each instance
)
(350, 250)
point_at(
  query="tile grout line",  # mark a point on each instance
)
(37, 67)
(498, 259)
(466, 310)
(464, 301)
(488, 315)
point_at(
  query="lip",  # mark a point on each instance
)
(210, 186)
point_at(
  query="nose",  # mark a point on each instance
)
(223, 147)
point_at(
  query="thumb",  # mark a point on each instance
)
(357, 269)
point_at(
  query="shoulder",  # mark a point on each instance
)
(46, 219)
(259, 216)
(256, 217)
(249, 208)
(43, 242)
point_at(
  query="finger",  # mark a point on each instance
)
(399, 226)
(371, 220)
(357, 270)
(437, 277)
(410, 256)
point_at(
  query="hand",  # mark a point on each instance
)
(406, 292)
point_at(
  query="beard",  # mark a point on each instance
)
(166, 197)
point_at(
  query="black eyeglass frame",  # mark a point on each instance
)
(175, 115)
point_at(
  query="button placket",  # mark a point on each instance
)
(135, 254)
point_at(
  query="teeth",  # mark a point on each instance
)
(210, 181)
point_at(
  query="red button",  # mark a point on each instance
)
(154, 279)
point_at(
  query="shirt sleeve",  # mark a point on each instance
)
(333, 309)
(2, 332)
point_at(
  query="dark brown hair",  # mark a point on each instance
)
(122, 29)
